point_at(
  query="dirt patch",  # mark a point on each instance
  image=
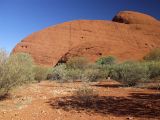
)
(54, 101)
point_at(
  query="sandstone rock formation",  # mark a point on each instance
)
(130, 17)
(128, 37)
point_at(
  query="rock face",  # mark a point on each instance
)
(130, 17)
(128, 37)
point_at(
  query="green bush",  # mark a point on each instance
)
(153, 55)
(106, 60)
(130, 74)
(15, 70)
(85, 94)
(154, 69)
(105, 71)
(92, 72)
(41, 73)
(73, 74)
(19, 68)
(92, 75)
(77, 63)
(59, 72)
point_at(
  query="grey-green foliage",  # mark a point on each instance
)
(59, 72)
(3, 56)
(77, 63)
(73, 74)
(92, 75)
(79, 68)
(72, 70)
(153, 55)
(130, 73)
(85, 94)
(154, 69)
(63, 73)
(41, 72)
(15, 70)
(20, 66)
(106, 60)
(96, 72)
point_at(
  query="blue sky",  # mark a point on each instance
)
(19, 18)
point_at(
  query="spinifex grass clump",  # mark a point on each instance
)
(85, 94)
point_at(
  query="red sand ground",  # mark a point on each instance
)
(53, 101)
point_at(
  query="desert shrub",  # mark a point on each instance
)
(3, 56)
(129, 62)
(130, 73)
(73, 74)
(115, 72)
(92, 72)
(72, 70)
(154, 55)
(93, 66)
(59, 72)
(116, 69)
(106, 60)
(77, 63)
(16, 70)
(92, 75)
(154, 69)
(85, 91)
(111, 71)
(19, 68)
(105, 71)
(85, 94)
(41, 72)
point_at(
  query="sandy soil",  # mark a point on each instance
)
(54, 101)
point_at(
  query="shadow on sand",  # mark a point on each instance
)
(110, 85)
(135, 105)
(4, 97)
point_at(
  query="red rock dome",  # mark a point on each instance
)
(93, 39)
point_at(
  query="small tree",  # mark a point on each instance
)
(15, 70)
(106, 60)
(59, 72)
(153, 55)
